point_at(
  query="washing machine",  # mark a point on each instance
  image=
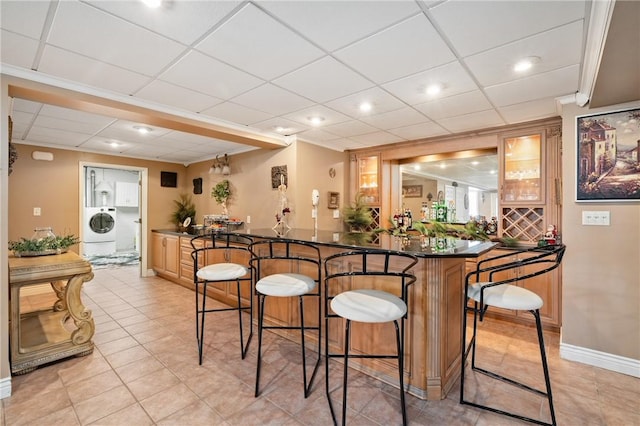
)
(99, 235)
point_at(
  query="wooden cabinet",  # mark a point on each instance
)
(530, 190)
(369, 178)
(165, 255)
(547, 286)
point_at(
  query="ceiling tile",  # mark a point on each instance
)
(18, 50)
(452, 106)
(255, 42)
(419, 131)
(236, 113)
(496, 65)
(111, 39)
(272, 99)
(397, 45)
(330, 116)
(24, 17)
(380, 100)
(477, 26)
(318, 20)
(377, 138)
(23, 105)
(476, 120)
(289, 127)
(183, 21)
(101, 144)
(203, 74)
(317, 135)
(452, 76)
(73, 115)
(528, 111)
(86, 71)
(393, 119)
(323, 80)
(179, 97)
(55, 136)
(556, 83)
(350, 128)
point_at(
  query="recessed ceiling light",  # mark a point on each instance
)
(280, 129)
(316, 120)
(112, 144)
(434, 89)
(365, 107)
(153, 4)
(443, 166)
(525, 64)
(475, 163)
(143, 130)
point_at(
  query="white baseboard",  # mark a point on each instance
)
(604, 360)
(150, 273)
(5, 387)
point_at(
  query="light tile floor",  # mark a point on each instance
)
(144, 371)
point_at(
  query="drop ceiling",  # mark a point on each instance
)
(267, 67)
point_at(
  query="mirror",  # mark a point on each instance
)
(465, 181)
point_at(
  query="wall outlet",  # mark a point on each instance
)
(336, 214)
(248, 219)
(37, 211)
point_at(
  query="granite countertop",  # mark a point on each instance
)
(443, 247)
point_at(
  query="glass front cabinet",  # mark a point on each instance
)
(368, 178)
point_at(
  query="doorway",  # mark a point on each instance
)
(112, 208)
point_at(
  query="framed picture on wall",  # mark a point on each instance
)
(608, 161)
(333, 200)
(412, 191)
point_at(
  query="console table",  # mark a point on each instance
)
(66, 329)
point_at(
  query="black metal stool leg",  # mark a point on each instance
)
(347, 339)
(202, 315)
(401, 373)
(545, 367)
(261, 299)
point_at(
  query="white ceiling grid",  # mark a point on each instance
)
(267, 64)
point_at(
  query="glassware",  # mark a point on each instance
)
(42, 233)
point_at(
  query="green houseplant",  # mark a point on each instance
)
(221, 193)
(184, 208)
(36, 247)
(358, 216)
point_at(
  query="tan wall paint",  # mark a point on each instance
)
(601, 270)
(252, 195)
(5, 370)
(54, 187)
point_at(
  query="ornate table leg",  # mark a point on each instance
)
(59, 288)
(82, 317)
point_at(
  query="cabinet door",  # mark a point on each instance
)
(172, 256)
(369, 178)
(523, 170)
(157, 252)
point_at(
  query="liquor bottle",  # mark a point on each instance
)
(395, 219)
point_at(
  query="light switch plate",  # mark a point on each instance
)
(336, 214)
(596, 218)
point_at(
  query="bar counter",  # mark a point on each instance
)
(434, 324)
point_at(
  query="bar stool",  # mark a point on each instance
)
(501, 293)
(377, 284)
(219, 259)
(286, 268)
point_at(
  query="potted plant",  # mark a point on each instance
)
(358, 216)
(221, 193)
(184, 208)
(43, 246)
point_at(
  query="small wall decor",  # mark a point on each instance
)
(333, 200)
(13, 152)
(412, 191)
(169, 179)
(276, 173)
(608, 156)
(197, 186)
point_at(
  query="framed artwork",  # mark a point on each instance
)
(333, 200)
(608, 161)
(169, 179)
(279, 175)
(412, 191)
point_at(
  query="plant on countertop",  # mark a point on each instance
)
(184, 208)
(47, 244)
(358, 216)
(468, 231)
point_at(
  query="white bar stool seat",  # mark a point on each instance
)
(366, 305)
(506, 296)
(286, 285)
(222, 272)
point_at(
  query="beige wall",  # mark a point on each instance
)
(252, 195)
(54, 186)
(601, 270)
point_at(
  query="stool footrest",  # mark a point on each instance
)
(506, 413)
(510, 381)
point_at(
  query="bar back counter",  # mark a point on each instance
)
(434, 326)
